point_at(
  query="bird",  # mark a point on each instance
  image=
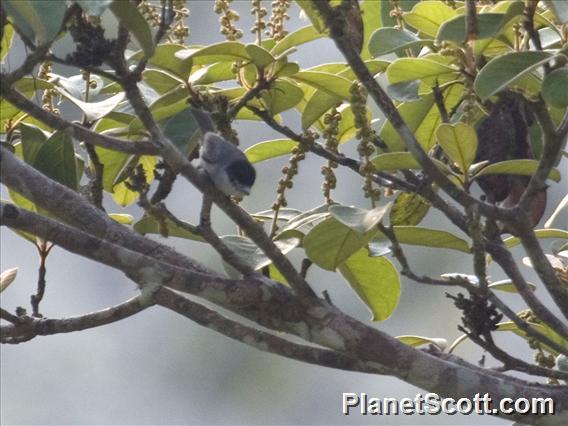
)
(224, 163)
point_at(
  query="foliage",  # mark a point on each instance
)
(446, 70)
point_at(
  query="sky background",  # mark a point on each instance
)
(159, 368)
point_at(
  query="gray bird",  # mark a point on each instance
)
(226, 165)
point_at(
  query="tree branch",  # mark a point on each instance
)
(258, 339)
(27, 327)
(78, 131)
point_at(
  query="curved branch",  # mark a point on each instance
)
(258, 339)
(78, 131)
(26, 328)
(275, 307)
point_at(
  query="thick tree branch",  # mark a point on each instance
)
(258, 339)
(273, 306)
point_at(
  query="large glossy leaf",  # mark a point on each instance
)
(330, 243)
(408, 209)
(282, 96)
(503, 71)
(225, 51)
(150, 225)
(428, 237)
(33, 139)
(259, 55)
(388, 40)
(161, 81)
(459, 142)
(523, 167)
(6, 41)
(7, 277)
(121, 194)
(312, 14)
(56, 159)
(181, 130)
(296, 38)
(249, 252)
(429, 72)
(488, 24)
(320, 101)
(39, 20)
(401, 161)
(540, 233)
(376, 282)
(329, 83)
(422, 118)
(428, 16)
(306, 219)
(554, 88)
(94, 110)
(416, 341)
(270, 149)
(129, 16)
(359, 220)
(214, 73)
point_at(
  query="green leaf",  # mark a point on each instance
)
(524, 167)
(408, 209)
(259, 55)
(416, 341)
(371, 21)
(401, 161)
(428, 237)
(249, 252)
(320, 101)
(296, 38)
(388, 40)
(459, 142)
(56, 159)
(376, 282)
(503, 71)
(540, 233)
(6, 41)
(270, 149)
(129, 16)
(543, 328)
(121, 194)
(150, 225)
(123, 219)
(428, 16)
(161, 81)
(94, 7)
(214, 73)
(330, 243)
(329, 83)
(306, 219)
(312, 14)
(166, 106)
(33, 139)
(220, 52)
(359, 220)
(94, 110)
(508, 286)
(7, 277)
(37, 19)
(489, 24)
(182, 131)
(554, 88)
(282, 96)
(429, 72)
(422, 118)
(165, 58)
(113, 162)
(286, 69)
(559, 9)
